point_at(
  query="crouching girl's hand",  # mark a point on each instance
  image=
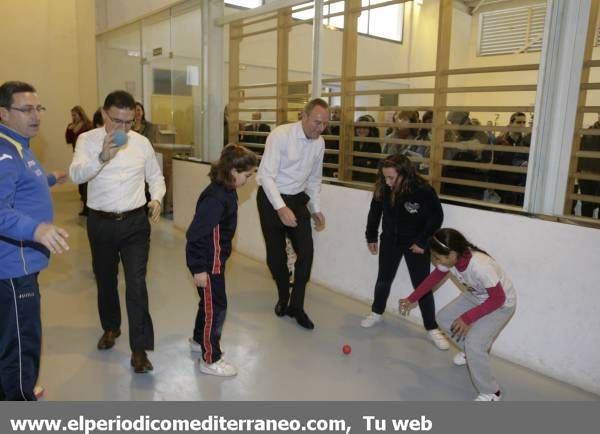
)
(404, 306)
(459, 329)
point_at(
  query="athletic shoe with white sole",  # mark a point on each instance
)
(460, 359)
(370, 320)
(438, 339)
(220, 368)
(488, 397)
(195, 346)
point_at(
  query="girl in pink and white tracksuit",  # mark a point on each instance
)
(476, 317)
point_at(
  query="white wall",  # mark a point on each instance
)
(113, 13)
(554, 267)
(50, 44)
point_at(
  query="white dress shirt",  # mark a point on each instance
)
(292, 164)
(117, 185)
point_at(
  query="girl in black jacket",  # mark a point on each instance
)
(411, 213)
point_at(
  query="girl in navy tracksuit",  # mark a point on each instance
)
(208, 247)
(411, 213)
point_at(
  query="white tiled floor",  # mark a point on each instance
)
(277, 360)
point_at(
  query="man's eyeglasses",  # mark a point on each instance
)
(29, 110)
(122, 122)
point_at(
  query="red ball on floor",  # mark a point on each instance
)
(346, 349)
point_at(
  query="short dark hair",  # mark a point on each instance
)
(97, 121)
(232, 157)
(516, 115)
(308, 108)
(458, 118)
(373, 131)
(8, 89)
(427, 117)
(120, 99)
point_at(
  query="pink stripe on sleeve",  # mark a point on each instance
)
(435, 277)
(496, 298)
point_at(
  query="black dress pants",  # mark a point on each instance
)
(390, 255)
(127, 240)
(274, 233)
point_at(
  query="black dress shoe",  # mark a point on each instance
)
(303, 319)
(140, 362)
(280, 308)
(107, 340)
(291, 311)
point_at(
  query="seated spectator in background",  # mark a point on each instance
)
(401, 131)
(371, 163)
(464, 137)
(490, 133)
(425, 133)
(142, 126)
(389, 130)
(481, 136)
(422, 150)
(256, 126)
(514, 139)
(589, 166)
(332, 130)
(527, 137)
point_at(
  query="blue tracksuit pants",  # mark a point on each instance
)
(20, 337)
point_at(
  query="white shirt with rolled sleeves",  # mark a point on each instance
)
(292, 164)
(117, 185)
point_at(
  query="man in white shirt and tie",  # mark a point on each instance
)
(289, 177)
(117, 224)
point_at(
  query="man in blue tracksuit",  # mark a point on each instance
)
(27, 237)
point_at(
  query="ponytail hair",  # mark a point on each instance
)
(447, 239)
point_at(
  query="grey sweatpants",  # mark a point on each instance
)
(479, 339)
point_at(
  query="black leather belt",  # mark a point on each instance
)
(117, 215)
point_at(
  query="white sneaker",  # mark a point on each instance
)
(438, 339)
(370, 320)
(195, 346)
(460, 359)
(489, 397)
(220, 368)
